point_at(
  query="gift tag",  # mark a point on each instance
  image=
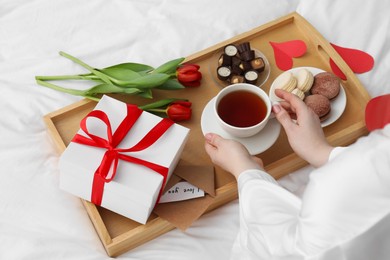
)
(181, 191)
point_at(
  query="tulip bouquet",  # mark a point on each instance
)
(134, 79)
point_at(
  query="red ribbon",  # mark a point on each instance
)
(107, 168)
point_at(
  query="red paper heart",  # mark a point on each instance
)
(285, 51)
(359, 61)
(336, 70)
(378, 112)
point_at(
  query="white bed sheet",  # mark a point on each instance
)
(39, 221)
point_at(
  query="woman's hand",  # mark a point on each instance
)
(230, 155)
(305, 134)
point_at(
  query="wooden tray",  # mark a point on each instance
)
(119, 234)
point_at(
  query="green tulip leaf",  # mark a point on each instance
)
(131, 90)
(171, 84)
(119, 76)
(168, 67)
(160, 103)
(146, 93)
(109, 88)
(103, 77)
(137, 67)
(149, 80)
(104, 88)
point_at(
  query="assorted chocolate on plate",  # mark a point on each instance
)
(239, 64)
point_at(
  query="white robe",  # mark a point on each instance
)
(344, 212)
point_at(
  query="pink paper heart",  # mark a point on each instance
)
(378, 112)
(285, 51)
(359, 61)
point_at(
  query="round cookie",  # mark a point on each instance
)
(285, 81)
(319, 104)
(326, 84)
(305, 80)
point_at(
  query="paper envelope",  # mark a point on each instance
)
(182, 214)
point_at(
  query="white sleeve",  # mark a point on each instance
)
(343, 199)
(268, 216)
(335, 152)
(347, 196)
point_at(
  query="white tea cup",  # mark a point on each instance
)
(242, 109)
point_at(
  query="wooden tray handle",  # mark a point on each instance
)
(326, 51)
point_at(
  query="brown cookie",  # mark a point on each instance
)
(320, 105)
(326, 84)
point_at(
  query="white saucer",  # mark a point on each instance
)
(337, 104)
(255, 144)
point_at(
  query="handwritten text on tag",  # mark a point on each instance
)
(181, 191)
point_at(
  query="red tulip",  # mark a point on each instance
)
(179, 111)
(189, 75)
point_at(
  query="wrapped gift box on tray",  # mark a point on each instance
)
(125, 169)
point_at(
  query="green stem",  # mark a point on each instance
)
(65, 90)
(74, 59)
(75, 92)
(93, 98)
(61, 77)
(155, 110)
(100, 75)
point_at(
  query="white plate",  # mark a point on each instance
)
(263, 76)
(255, 144)
(337, 104)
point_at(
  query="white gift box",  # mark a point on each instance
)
(134, 190)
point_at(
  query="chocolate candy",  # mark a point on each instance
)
(239, 64)
(247, 55)
(243, 47)
(246, 65)
(237, 70)
(258, 64)
(231, 50)
(237, 79)
(223, 72)
(251, 76)
(225, 60)
(236, 61)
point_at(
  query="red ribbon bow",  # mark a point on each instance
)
(107, 168)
